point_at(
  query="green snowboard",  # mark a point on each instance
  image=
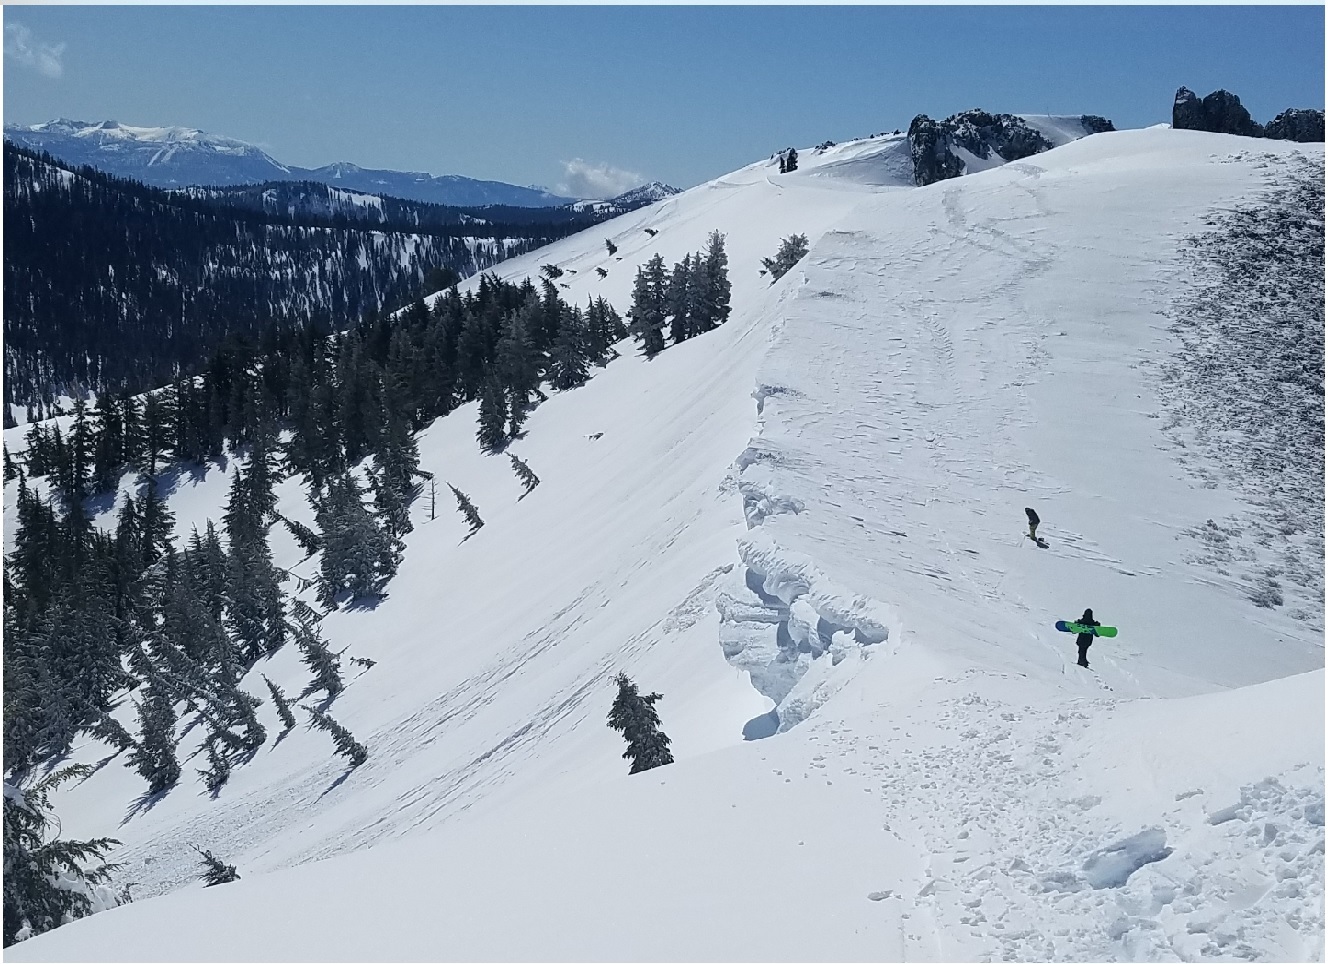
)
(1068, 627)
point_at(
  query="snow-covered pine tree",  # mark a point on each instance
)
(46, 880)
(634, 716)
(205, 561)
(306, 537)
(394, 517)
(716, 291)
(156, 522)
(109, 730)
(282, 704)
(324, 664)
(216, 871)
(568, 361)
(791, 250)
(523, 472)
(648, 310)
(255, 611)
(468, 510)
(678, 300)
(397, 460)
(492, 431)
(154, 755)
(218, 770)
(353, 543)
(346, 744)
(516, 361)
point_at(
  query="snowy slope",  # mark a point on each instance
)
(822, 498)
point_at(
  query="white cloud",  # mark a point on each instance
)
(27, 51)
(582, 179)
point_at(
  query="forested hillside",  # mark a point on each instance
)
(325, 205)
(112, 285)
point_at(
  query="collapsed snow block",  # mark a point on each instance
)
(869, 634)
(1112, 866)
(755, 581)
(760, 727)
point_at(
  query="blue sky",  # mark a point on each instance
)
(579, 97)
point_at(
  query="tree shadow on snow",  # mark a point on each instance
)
(170, 479)
(98, 765)
(364, 603)
(337, 782)
(145, 802)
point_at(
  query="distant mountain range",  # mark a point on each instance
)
(175, 157)
(637, 197)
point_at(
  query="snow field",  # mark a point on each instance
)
(827, 492)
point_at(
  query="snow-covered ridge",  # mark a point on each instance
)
(828, 491)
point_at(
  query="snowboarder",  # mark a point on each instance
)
(1033, 521)
(1084, 640)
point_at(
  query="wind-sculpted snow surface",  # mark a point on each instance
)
(900, 759)
(1244, 395)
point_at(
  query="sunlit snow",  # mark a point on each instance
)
(806, 531)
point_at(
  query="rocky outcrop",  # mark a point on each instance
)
(1221, 112)
(1006, 136)
(929, 141)
(1303, 126)
(1093, 124)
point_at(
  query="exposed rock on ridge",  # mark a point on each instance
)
(981, 134)
(1221, 112)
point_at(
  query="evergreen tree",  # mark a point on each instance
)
(353, 543)
(81, 446)
(208, 571)
(492, 433)
(791, 250)
(46, 880)
(215, 871)
(282, 704)
(397, 456)
(255, 613)
(346, 744)
(523, 472)
(648, 308)
(634, 716)
(11, 469)
(218, 770)
(679, 300)
(393, 509)
(133, 437)
(154, 756)
(324, 664)
(568, 361)
(156, 522)
(517, 360)
(790, 161)
(158, 415)
(715, 291)
(108, 456)
(306, 537)
(468, 510)
(108, 729)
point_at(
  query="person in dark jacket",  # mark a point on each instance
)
(1033, 521)
(1084, 640)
